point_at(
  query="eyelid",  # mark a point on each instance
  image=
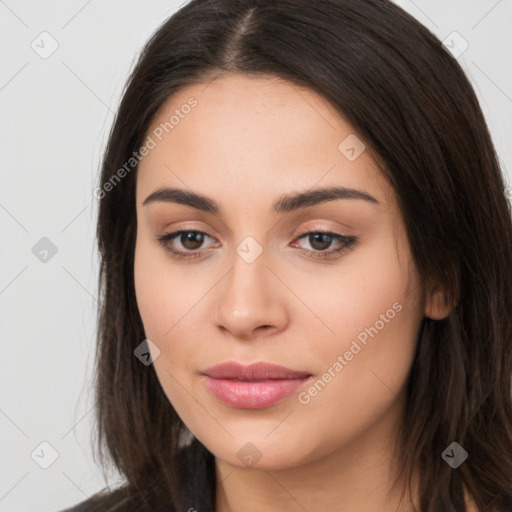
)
(302, 231)
(316, 229)
(347, 243)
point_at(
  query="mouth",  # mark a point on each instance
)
(253, 386)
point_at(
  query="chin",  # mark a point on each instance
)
(260, 453)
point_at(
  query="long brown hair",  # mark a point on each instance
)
(413, 105)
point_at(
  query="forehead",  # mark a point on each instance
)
(259, 134)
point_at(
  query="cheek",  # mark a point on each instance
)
(373, 293)
(169, 301)
(375, 311)
(148, 292)
(160, 293)
(163, 309)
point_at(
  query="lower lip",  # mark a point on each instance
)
(253, 394)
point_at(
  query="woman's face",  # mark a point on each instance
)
(341, 310)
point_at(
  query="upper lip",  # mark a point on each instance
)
(254, 371)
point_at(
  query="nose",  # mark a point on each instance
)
(251, 300)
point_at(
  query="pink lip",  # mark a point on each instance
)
(253, 386)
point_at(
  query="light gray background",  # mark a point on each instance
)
(55, 117)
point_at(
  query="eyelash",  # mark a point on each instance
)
(348, 242)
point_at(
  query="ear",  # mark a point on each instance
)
(437, 305)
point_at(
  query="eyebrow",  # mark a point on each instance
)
(287, 203)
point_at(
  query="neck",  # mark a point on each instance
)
(358, 477)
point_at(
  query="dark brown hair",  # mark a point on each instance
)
(416, 111)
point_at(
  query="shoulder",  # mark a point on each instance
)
(84, 506)
(123, 499)
(104, 501)
(197, 474)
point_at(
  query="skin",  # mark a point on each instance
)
(248, 142)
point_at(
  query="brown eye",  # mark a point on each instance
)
(320, 242)
(191, 240)
(190, 243)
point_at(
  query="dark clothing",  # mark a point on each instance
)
(196, 486)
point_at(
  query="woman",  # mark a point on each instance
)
(306, 279)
